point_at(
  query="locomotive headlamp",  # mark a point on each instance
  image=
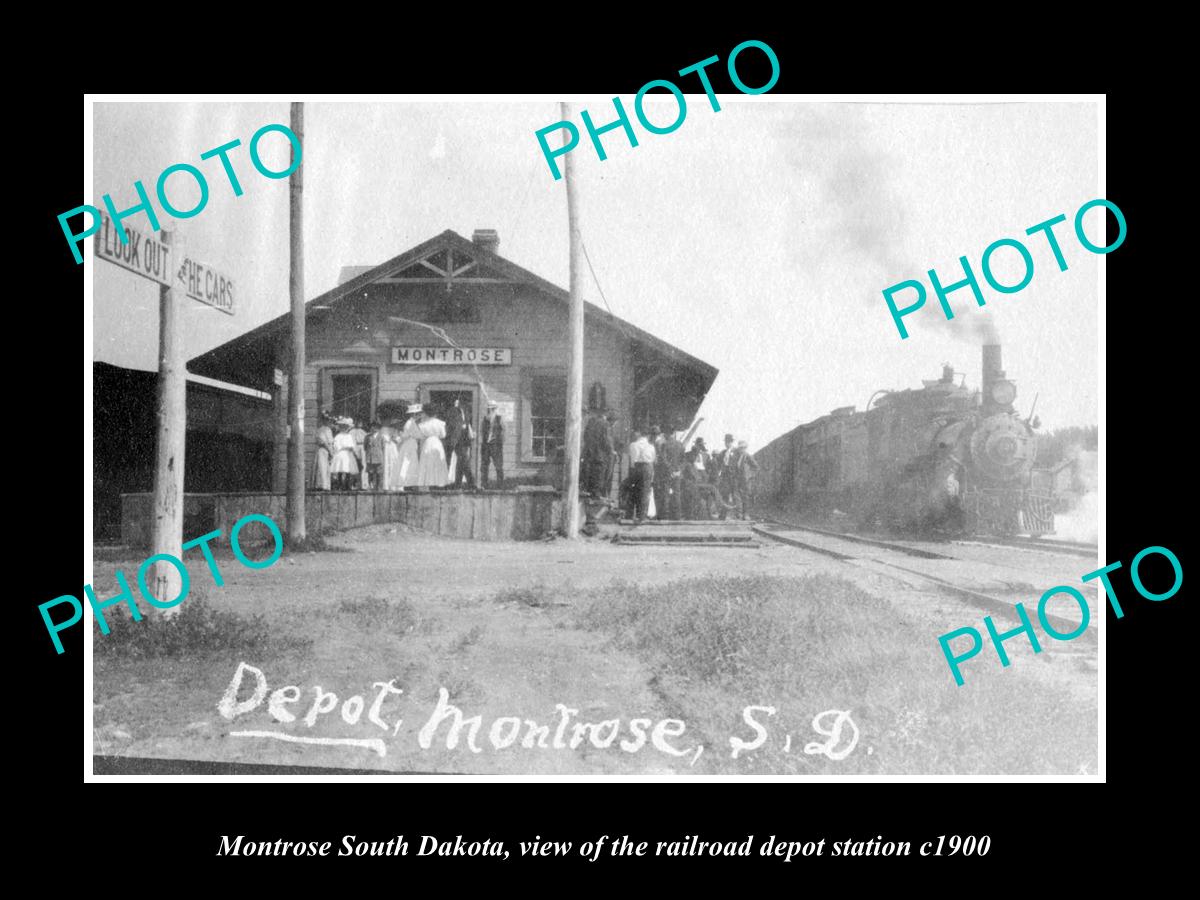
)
(1004, 393)
(1002, 449)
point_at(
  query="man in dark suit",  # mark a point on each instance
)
(671, 457)
(659, 486)
(745, 468)
(597, 454)
(459, 436)
(491, 445)
(613, 458)
(726, 475)
(704, 498)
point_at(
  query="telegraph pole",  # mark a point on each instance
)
(166, 536)
(575, 370)
(295, 452)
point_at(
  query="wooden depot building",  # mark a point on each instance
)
(452, 319)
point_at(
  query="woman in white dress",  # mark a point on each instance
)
(359, 433)
(433, 472)
(345, 462)
(409, 450)
(390, 476)
(321, 479)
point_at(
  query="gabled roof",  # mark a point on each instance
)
(349, 272)
(455, 241)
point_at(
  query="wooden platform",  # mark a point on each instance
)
(519, 515)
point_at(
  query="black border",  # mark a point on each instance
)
(1147, 483)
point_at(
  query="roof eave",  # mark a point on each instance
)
(519, 274)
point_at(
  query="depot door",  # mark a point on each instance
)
(441, 397)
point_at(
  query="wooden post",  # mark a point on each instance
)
(295, 462)
(575, 370)
(166, 535)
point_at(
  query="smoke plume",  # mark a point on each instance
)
(836, 152)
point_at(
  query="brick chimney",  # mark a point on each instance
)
(487, 238)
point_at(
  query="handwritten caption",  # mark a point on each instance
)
(563, 732)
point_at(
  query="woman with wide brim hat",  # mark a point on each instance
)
(390, 437)
(409, 451)
(433, 471)
(344, 467)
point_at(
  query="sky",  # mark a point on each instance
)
(758, 238)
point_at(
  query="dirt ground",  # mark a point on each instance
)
(421, 612)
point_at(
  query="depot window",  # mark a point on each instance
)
(547, 414)
(349, 391)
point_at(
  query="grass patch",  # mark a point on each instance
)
(810, 644)
(535, 596)
(467, 639)
(458, 687)
(381, 614)
(198, 629)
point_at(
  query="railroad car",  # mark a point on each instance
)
(942, 458)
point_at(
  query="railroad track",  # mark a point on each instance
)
(686, 533)
(855, 539)
(879, 556)
(1047, 545)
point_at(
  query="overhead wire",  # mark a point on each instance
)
(620, 325)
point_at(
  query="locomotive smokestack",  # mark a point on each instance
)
(991, 367)
(997, 391)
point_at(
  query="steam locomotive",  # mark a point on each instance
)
(941, 459)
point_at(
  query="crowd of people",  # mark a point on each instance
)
(666, 480)
(427, 448)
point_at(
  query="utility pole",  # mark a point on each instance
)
(575, 370)
(295, 452)
(166, 536)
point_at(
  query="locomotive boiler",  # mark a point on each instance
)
(942, 458)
